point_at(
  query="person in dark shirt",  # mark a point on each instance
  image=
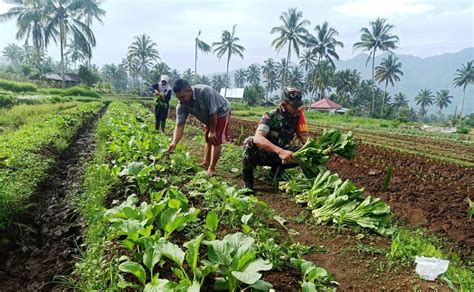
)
(162, 94)
(276, 130)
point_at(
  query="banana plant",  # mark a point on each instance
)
(235, 258)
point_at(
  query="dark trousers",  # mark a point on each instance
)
(253, 156)
(160, 125)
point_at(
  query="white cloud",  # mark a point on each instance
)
(4, 7)
(375, 8)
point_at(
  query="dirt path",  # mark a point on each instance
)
(43, 244)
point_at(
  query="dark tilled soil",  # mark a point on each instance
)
(353, 270)
(43, 244)
(424, 192)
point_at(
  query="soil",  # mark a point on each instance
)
(42, 245)
(353, 269)
(424, 192)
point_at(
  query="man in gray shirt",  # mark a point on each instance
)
(211, 109)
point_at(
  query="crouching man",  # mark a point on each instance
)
(211, 109)
(276, 130)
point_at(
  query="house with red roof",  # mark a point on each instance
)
(327, 105)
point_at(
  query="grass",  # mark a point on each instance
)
(17, 86)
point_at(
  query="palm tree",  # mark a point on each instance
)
(308, 60)
(90, 10)
(322, 77)
(296, 77)
(228, 45)
(30, 23)
(443, 99)
(399, 100)
(201, 46)
(240, 77)
(282, 70)
(464, 77)
(188, 75)
(219, 81)
(253, 74)
(74, 52)
(388, 71)
(378, 38)
(270, 75)
(424, 99)
(346, 83)
(324, 43)
(13, 54)
(144, 51)
(63, 21)
(293, 32)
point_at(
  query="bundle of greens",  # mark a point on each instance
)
(324, 184)
(311, 159)
(315, 153)
(296, 184)
(332, 141)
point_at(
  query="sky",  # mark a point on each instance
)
(425, 28)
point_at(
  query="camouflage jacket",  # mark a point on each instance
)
(281, 127)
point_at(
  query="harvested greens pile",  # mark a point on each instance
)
(330, 198)
(315, 153)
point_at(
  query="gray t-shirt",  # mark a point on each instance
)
(206, 101)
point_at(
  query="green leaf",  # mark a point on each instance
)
(212, 221)
(159, 285)
(151, 257)
(251, 273)
(172, 252)
(192, 254)
(261, 285)
(308, 287)
(219, 252)
(174, 203)
(195, 287)
(246, 218)
(135, 269)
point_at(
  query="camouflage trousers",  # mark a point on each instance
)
(253, 157)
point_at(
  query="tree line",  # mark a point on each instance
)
(67, 23)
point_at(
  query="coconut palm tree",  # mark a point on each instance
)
(253, 74)
(74, 52)
(293, 32)
(220, 81)
(324, 44)
(379, 37)
(201, 46)
(346, 83)
(240, 77)
(30, 22)
(188, 75)
(388, 71)
(13, 54)
(442, 100)
(270, 76)
(322, 77)
(90, 10)
(296, 77)
(464, 77)
(144, 51)
(228, 45)
(282, 70)
(308, 60)
(424, 99)
(399, 100)
(62, 21)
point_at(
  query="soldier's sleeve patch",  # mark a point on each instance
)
(302, 127)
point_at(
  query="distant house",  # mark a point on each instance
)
(234, 94)
(327, 105)
(69, 78)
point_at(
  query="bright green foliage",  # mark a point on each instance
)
(17, 86)
(315, 153)
(27, 154)
(236, 260)
(314, 278)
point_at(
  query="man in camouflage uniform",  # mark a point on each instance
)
(276, 130)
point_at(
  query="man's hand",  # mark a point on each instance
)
(212, 138)
(286, 156)
(171, 148)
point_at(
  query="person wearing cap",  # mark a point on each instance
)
(276, 130)
(211, 109)
(162, 94)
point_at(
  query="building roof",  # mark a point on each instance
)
(233, 92)
(68, 77)
(325, 103)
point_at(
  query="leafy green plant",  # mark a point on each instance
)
(314, 278)
(236, 263)
(388, 177)
(212, 222)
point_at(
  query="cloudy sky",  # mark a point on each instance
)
(425, 28)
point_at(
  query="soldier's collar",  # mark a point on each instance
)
(282, 109)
